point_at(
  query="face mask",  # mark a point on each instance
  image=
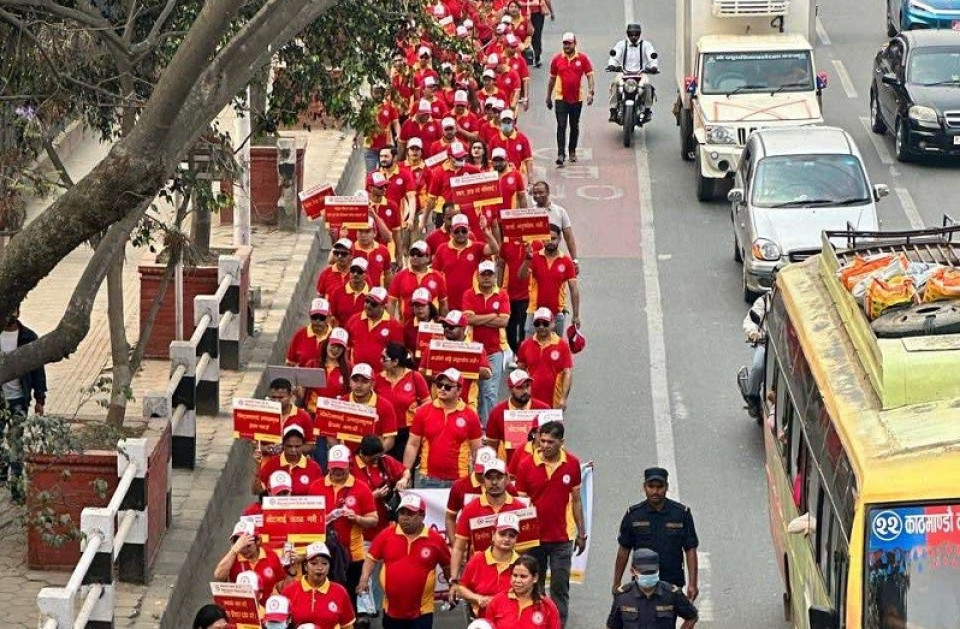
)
(507, 127)
(272, 624)
(648, 580)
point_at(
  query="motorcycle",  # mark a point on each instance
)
(753, 407)
(630, 104)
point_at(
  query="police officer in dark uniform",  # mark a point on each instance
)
(647, 602)
(664, 526)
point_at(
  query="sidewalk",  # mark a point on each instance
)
(275, 267)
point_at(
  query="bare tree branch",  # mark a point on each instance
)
(153, 37)
(93, 20)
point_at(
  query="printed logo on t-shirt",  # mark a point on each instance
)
(432, 284)
(389, 212)
(519, 146)
(470, 257)
(555, 355)
(576, 63)
(384, 332)
(304, 479)
(332, 606)
(495, 305)
(537, 618)
(426, 553)
(350, 501)
(379, 257)
(408, 387)
(461, 422)
(561, 267)
(566, 479)
(268, 572)
(399, 181)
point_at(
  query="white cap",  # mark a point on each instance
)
(249, 577)
(501, 104)
(459, 220)
(484, 455)
(429, 81)
(317, 548)
(439, 10)
(512, 40)
(243, 527)
(339, 455)
(518, 377)
(421, 245)
(498, 152)
(320, 306)
(543, 314)
(423, 50)
(448, 122)
(346, 243)
(462, 31)
(378, 294)
(501, 29)
(452, 374)
(293, 428)
(455, 318)
(491, 100)
(479, 623)
(277, 608)
(413, 502)
(495, 465)
(457, 149)
(415, 142)
(361, 193)
(378, 180)
(339, 336)
(360, 263)
(280, 481)
(489, 73)
(568, 36)
(468, 23)
(421, 296)
(493, 59)
(363, 370)
(460, 96)
(487, 266)
(507, 114)
(506, 19)
(508, 521)
(424, 107)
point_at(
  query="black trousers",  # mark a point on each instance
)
(537, 20)
(354, 570)
(567, 114)
(516, 323)
(422, 622)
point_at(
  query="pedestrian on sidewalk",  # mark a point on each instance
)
(15, 395)
(564, 91)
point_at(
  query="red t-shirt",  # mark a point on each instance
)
(389, 213)
(387, 472)
(268, 568)
(447, 436)
(464, 486)
(429, 132)
(353, 494)
(405, 394)
(477, 508)
(495, 428)
(330, 279)
(335, 386)
(436, 238)
(409, 570)
(400, 181)
(509, 83)
(383, 135)
(548, 281)
(512, 254)
(505, 613)
(550, 492)
(459, 265)
(327, 606)
(305, 346)
(302, 473)
(484, 576)
(519, 65)
(544, 363)
(468, 121)
(406, 281)
(368, 341)
(498, 302)
(569, 72)
(346, 302)
(517, 146)
(511, 185)
(378, 261)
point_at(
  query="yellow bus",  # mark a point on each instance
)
(862, 441)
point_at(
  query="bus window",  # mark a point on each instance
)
(826, 523)
(798, 466)
(837, 583)
(813, 505)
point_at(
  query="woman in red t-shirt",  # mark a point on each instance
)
(523, 606)
(334, 356)
(404, 387)
(489, 572)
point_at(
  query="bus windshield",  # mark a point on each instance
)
(912, 567)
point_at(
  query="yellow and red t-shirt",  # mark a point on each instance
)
(545, 362)
(481, 537)
(268, 568)
(486, 576)
(569, 72)
(409, 572)
(459, 265)
(404, 393)
(303, 472)
(327, 606)
(353, 494)
(548, 281)
(446, 435)
(369, 338)
(497, 302)
(406, 281)
(506, 612)
(549, 486)
(305, 346)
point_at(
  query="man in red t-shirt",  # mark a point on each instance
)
(460, 258)
(514, 142)
(388, 211)
(421, 125)
(386, 130)
(468, 126)
(335, 275)
(512, 182)
(488, 309)
(417, 275)
(551, 273)
(567, 71)
(373, 329)
(547, 358)
(348, 300)
(519, 384)
(438, 190)
(401, 182)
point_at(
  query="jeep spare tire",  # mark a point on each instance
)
(920, 320)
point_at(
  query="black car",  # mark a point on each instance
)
(915, 93)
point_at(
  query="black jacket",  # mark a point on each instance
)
(33, 383)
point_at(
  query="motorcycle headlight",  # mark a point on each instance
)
(630, 86)
(924, 116)
(720, 135)
(764, 249)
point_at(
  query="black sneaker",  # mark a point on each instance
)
(647, 115)
(560, 160)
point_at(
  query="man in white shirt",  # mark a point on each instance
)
(632, 55)
(558, 216)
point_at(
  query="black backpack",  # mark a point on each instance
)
(339, 557)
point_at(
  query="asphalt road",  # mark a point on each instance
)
(662, 307)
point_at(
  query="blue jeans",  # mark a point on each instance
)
(490, 389)
(429, 482)
(559, 324)
(371, 159)
(755, 378)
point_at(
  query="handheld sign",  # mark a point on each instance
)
(518, 424)
(298, 519)
(240, 603)
(349, 212)
(258, 420)
(527, 225)
(433, 160)
(463, 356)
(344, 420)
(313, 200)
(479, 189)
(482, 528)
(310, 377)
(426, 332)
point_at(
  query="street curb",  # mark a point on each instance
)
(225, 468)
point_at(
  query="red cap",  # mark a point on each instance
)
(577, 341)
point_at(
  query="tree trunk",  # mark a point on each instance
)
(200, 227)
(119, 346)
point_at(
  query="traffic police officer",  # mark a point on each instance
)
(647, 602)
(664, 526)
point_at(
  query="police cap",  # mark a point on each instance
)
(645, 559)
(654, 474)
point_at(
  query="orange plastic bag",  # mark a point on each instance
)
(882, 296)
(942, 284)
(860, 268)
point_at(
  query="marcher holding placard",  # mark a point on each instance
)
(314, 598)
(348, 300)
(467, 488)
(281, 390)
(417, 274)
(351, 509)
(362, 392)
(438, 189)
(519, 383)
(280, 483)
(455, 326)
(488, 572)
(245, 554)
(416, 338)
(377, 255)
(336, 274)
(373, 329)
(512, 183)
(333, 352)
(403, 386)
(305, 345)
(302, 469)
(450, 429)
(551, 273)
(460, 258)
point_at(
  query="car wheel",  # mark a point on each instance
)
(748, 295)
(877, 125)
(737, 256)
(705, 185)
(902, 142)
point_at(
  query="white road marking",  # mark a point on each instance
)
(879, 143)
(909, 208)
(845, 81)
(822, 34)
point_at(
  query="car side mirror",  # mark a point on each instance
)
(822, 80)
(880, 190)
(822, 618)
(890, 79)
(735, 196)
(690, 85)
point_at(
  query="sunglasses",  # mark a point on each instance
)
(372, 303)
(461, 231)
(414, 148)
(416, 253)
(340, 253)
(318, 317)
(541, 324)
(446, 386)
(359, 379)
(357, 271)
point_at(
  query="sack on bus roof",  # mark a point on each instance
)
(882, 295)
(893, 269)
(943, 283)
(861, 267)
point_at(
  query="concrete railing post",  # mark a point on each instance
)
(99, 521)
(132, 556)
(185, 428)
(230, 333)
(208, 382)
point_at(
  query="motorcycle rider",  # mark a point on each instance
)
(632, 55)
(757, 336)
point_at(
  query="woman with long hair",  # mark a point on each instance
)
(404, 387)
(333, 361)
(523, 606)
(479, 155)
(210, 617)
(489, 572)
(314, 598)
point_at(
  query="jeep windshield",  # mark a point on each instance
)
(912, 567)
(756, 71)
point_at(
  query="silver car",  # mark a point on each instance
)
(793, 183)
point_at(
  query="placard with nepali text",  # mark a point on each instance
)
(426, 332)
(258, 420)
(348, 212)
(297, 519)
(313, 200)
(457, 354)
(240, 603)
(526, 225)
(479, 189)
(517, 424)
(345, 420)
